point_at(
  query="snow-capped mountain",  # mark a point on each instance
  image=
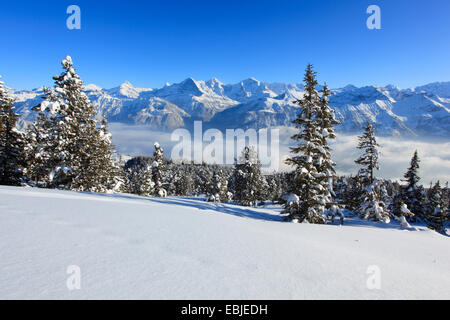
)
(424, 110)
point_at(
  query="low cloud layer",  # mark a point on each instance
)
(394, 160)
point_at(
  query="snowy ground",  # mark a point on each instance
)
(178, 248)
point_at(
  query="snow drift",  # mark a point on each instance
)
(179, 248)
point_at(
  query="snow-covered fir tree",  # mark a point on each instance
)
(275, 187)
(412, 194)
(40, 142)
(219, 188)
(385, 196)
(157, 171)
(146, 184)
(101, 175)
(436, 209)
(12, 143)
(249, 185)
(80, 154)
(402, 214)
(369, 159)
(371, 206)
(325, 165)
(184, 183)
(313, 167)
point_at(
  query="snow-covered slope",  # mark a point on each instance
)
(177, 248)
(251, 103)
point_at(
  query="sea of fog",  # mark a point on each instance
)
(395, 154)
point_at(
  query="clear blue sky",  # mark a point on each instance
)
(152, 42)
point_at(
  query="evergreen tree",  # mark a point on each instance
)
(137, 178)
(219, 188)
(352, 192)
(100, 175)
(12, 143)
(80, 154)
(157, 171)
(371, 206)
(184, 184)
(249, 185)
(369, 159)
(145, 182)
(39, 150)
(275, 185)
(412, 194)
(313, 167)
(402, 214)
(325, 165)
(436, 209)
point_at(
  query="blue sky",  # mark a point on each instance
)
(152, 42)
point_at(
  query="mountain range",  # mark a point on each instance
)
(420, 111)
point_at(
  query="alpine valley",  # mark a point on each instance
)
(420, 111)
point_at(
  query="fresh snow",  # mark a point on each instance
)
(184, 248)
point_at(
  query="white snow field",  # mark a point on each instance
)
(130, 247)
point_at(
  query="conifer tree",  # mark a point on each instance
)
(12, 143)
(313, 167)
(369, 159)
(402, 213)
(184, 184)
(219, 188)
(412, 194)
(80, 154)
(325, 165)
(371, 206)
(39, 150)
(352, 192)
(275, 187)
(104, 168)
(146, 184)
(157, 171)
(249, 185)
(436, 209)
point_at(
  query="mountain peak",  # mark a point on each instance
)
(251, 81)
(214, 81)
(191, 85)
(92, 87)
(126, 89)
(126, 84)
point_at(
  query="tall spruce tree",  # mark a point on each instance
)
(313, 167)
(412, 194)
(12, 143)
(369, 159)
(371, 205)
(80, 154)
(325, 165)
(157, 171)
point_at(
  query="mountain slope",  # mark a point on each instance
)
(130, 247)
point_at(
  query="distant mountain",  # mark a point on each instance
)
(424, 110)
